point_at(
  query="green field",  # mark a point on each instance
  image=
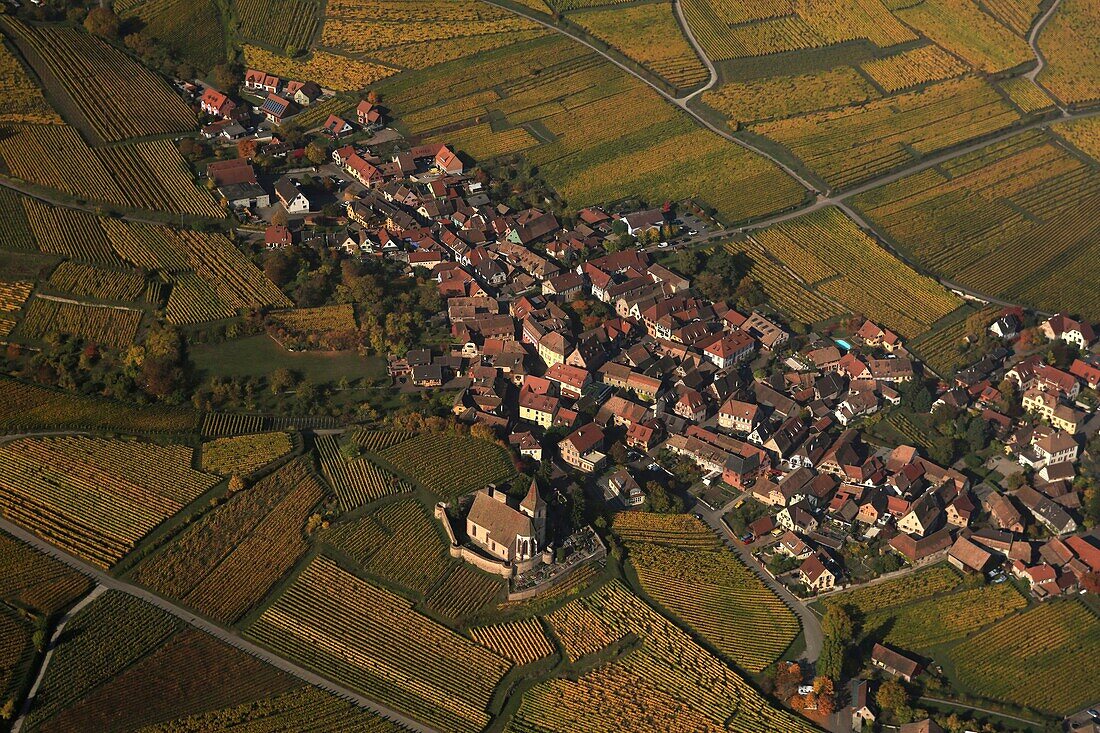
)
(256, 356)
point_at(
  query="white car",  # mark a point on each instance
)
(663, 244)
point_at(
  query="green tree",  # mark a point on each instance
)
(8, 711)
(892, 697)
(39, 640)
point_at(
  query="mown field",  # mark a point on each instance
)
(550, 99)
(1011, 220)
(708, 588)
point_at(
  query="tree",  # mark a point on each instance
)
(39, 640)
(891, 696)
(102, 22)
(579, 509)
(282, 380)
(8, 711)
(839, 629)
(977, 434)
(226, 77)
(825, 691)
(317, 152)
(787, 679)
(236, 483)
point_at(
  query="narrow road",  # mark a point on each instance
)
(683, 101)
(959, 705)
(811, 627)
(1033, 41)
(228, 636)
(96, 592)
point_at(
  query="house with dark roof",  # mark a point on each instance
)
(895, 663)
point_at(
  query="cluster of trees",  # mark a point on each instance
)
(787, 680)
(721, 276)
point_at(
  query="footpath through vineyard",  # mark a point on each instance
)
(218, 632)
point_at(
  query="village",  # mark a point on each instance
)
(586, 350)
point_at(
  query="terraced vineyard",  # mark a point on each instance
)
(677, 530)
(927, 623)
(287, 24)
(977, 218)
(1068, 43)
(95, 497)
(94, 282)
(778, 97)
(827, 250)
(783, 290)
(192, 31)
(245, 453)
(463, 592)
(16, 653)
(230, 558)
(372, 641)
(1038, 659)
(333, 72)
(326, 327)
(12, 297)
(944, 349)
(20, 98)
(668, 683)
(450, 465)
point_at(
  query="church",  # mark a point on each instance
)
(507, 533)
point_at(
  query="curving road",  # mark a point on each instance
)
(1033, 41)
(681, 103)
(711, 69)
(107, 582)
(811, 627)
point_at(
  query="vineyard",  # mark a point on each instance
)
(12, 297)
(650, 35)
(853, 144)
(17, 230)
(192, 31)
(1040, 659)
(303, 710)
(419, 33)
(16, 653)
(357, 481)
(146, 175)
(464, 592)
(399, 543)
(450, 465)
(567, 94)
(933, 621)
(732, 29)
(777, 97)
(715, 594)
(961, 27)
(128, 665)
(932, 581)
(30, 579)
(69, 232)
(944, 349)
(913, 68)
(1025, 95)
(669, 683)
(581, 631)
(676, 530)
(1083, 134)
(126, 100)
(827, 249)
(373, 641)
(523, 642)
(94, 282)
(330, 327)
(782, 288)
(378, 440)
(94, 497)
(30, 407)
(222, 424)
(110, 326)
(287, 24)
(244, 454)
(329, 70)
(20, 98)
(1008, 220)
(1068, 43)
(229, 559)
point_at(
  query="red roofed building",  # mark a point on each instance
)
(367, 114)
(276, 237)
(447, 161)
(581, 448)
(571, 380)
(727, 349)
(1086, 372)
(363, 171)
(215, 103)
(336, 127)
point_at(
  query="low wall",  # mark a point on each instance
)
(496, 567)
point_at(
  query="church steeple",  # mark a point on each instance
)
(534, 507)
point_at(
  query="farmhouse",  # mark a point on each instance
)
(895, 663)
(815, 575)
(968, 556)
(511, 534)
(366, 114)
(1071, 331)
(581, 448)
(215, 103)
(336, 127)
(276, 109)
